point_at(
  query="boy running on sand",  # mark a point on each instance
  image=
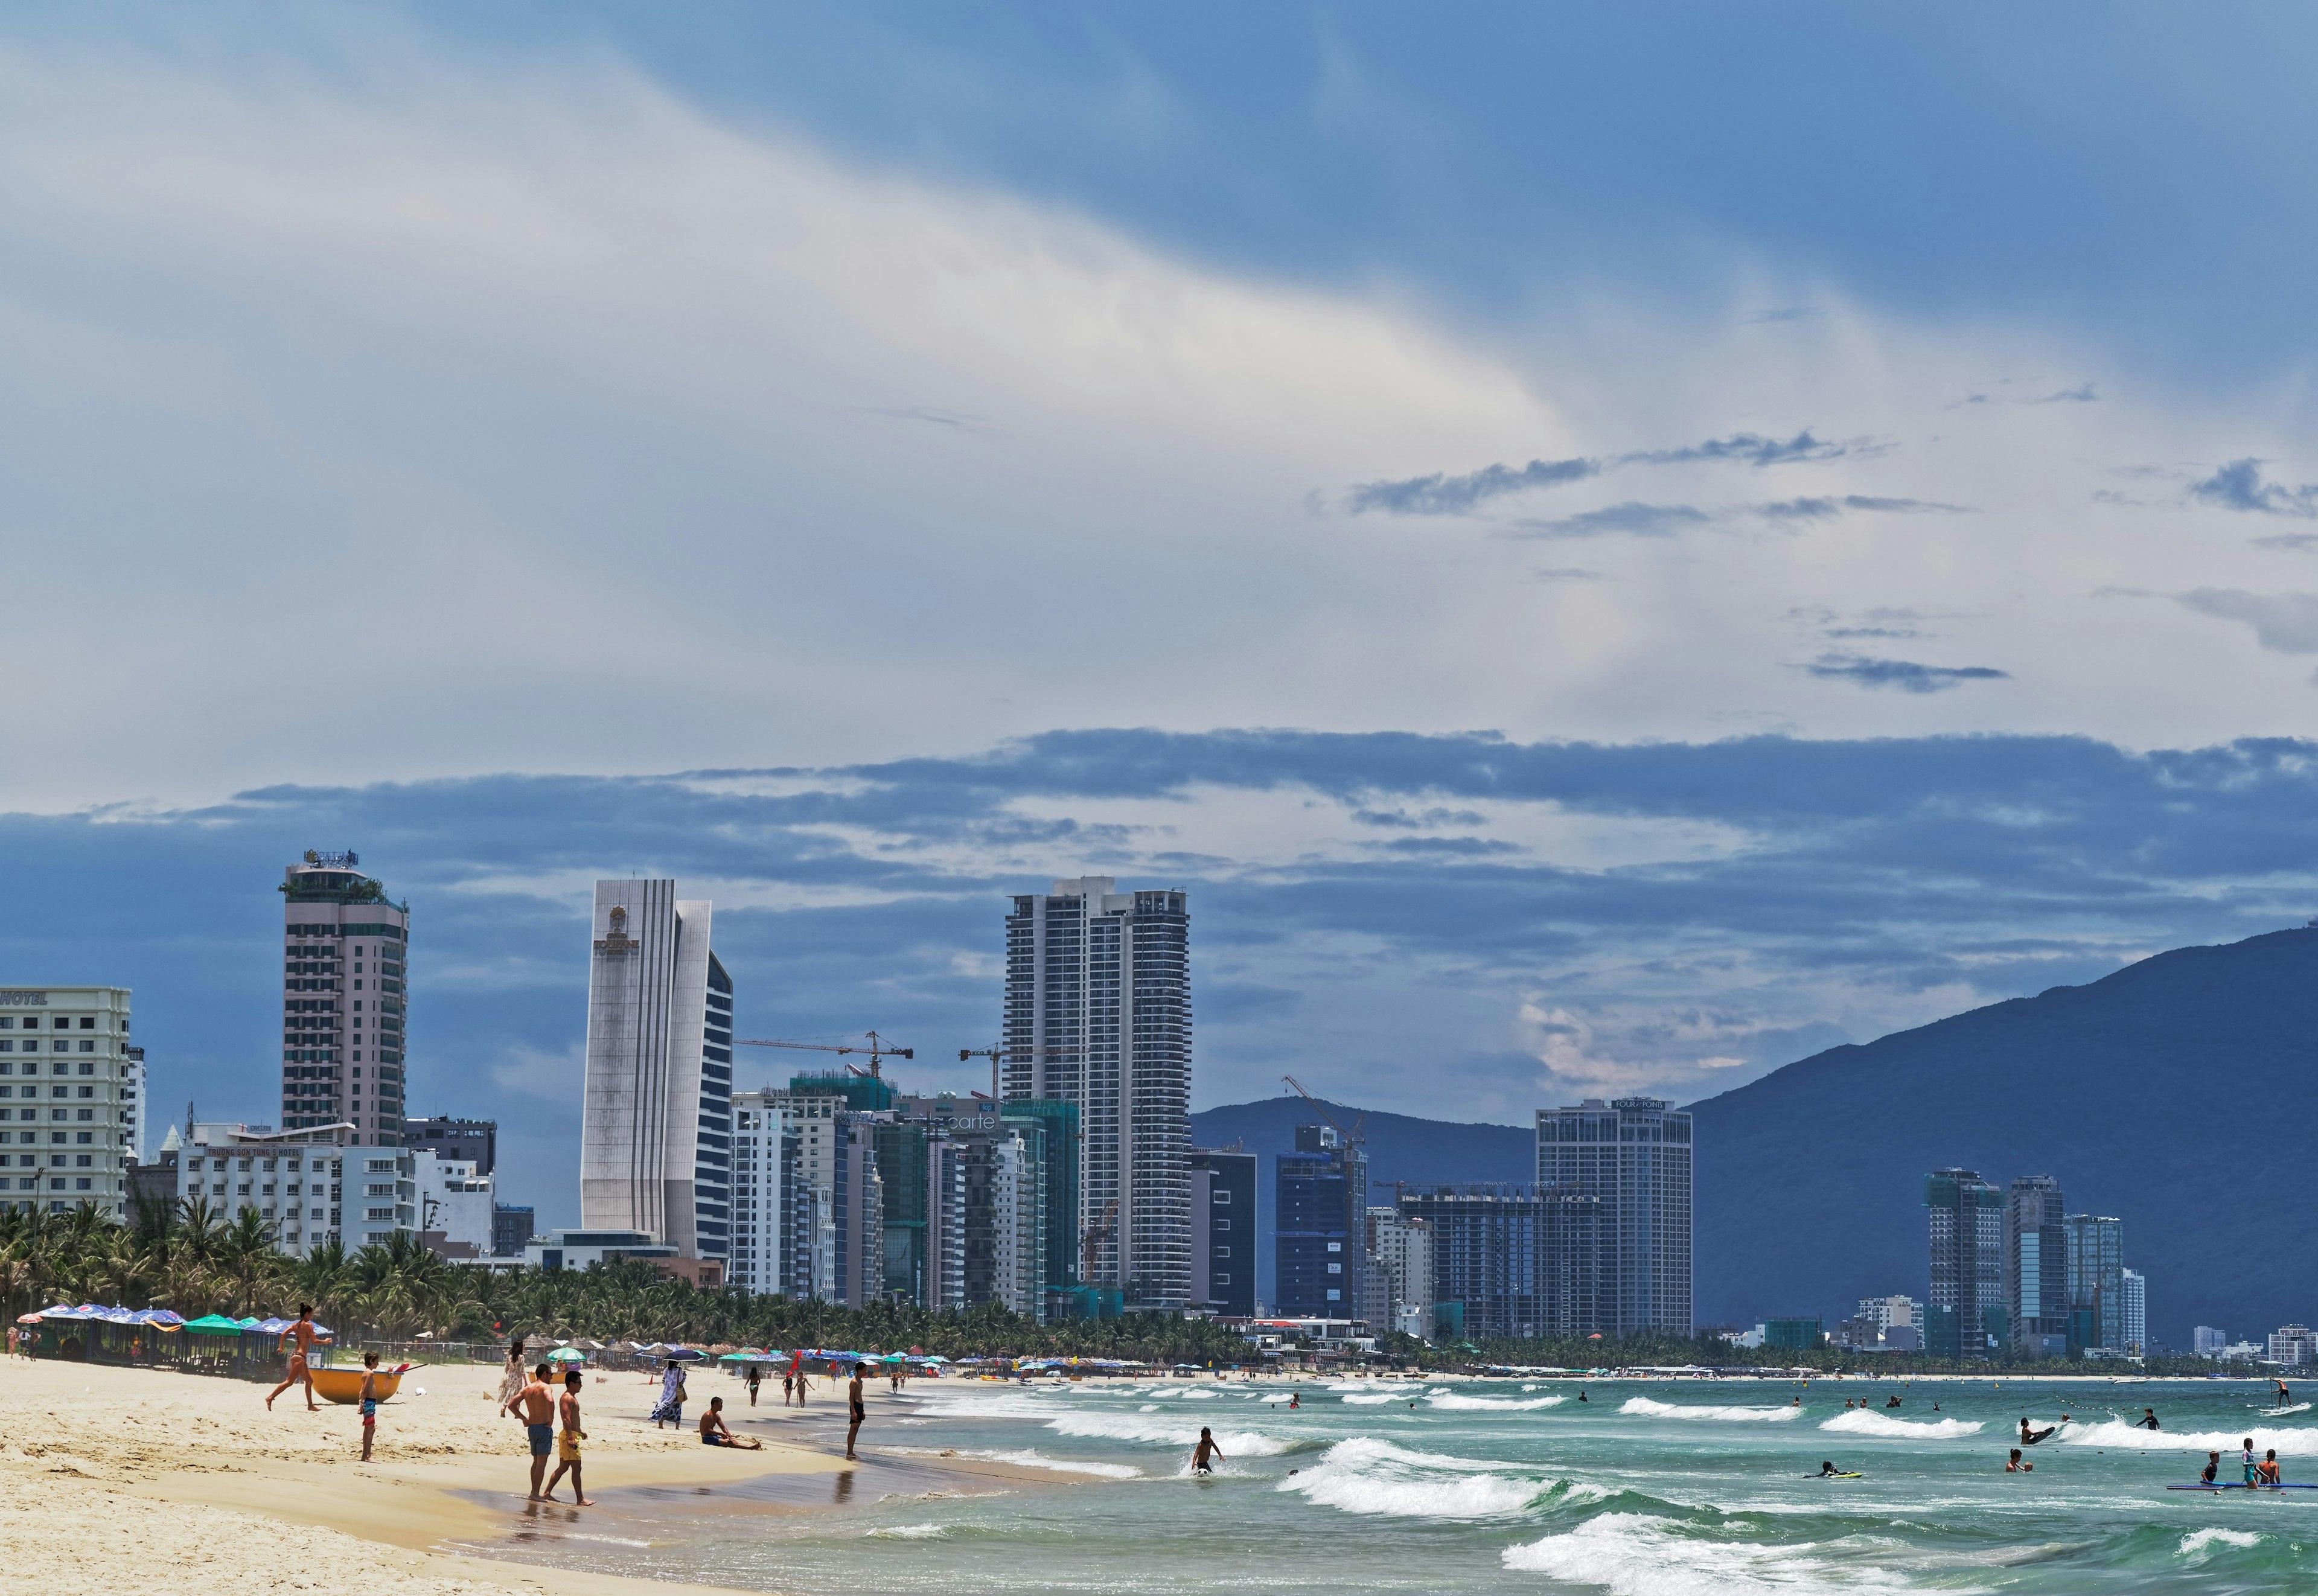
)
(369, 1402)
(303, 1333)
(567, 1445)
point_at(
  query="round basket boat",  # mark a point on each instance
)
(344, 1384)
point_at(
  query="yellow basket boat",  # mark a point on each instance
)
(344, 1384)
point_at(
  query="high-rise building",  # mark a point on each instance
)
(767, 1203)
(656, 1129)
(344, 1000)
(67, 1047)
(2095, 1247)
(1633, 1157)
(2134, 1290)
(1224, 1230)
(134, 1117)
(1400, 1254)
(1098, 1015)
(464, 1140)
(1319, 1228)
(1964, 1313)
(1514, 1263)
(2037, 1267)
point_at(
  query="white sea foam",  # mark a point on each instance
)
(1196, 1396)
(908, 1532)
(2116, 1433)
(1157, 1432)
(1455, 1403)
(1373, 1398)
(1030, 1459)
(1637, 1555)
(1869, 1422)
(1667, 1410)
(2200, 1543)
(1363, 1475)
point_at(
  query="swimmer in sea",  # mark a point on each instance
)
(2148, 1419)
(1826, 1470)
(2212, 1476)
(1206, 1454)
(1892, 1404)
(2016, 1466)
(2269, 1467)
(2029, 1438)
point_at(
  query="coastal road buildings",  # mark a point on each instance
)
(1964, 1312)
(1400, 1262)
(312, 1185)
(2037, 1267)
(465, 1140)
(1098, 1015)
(64, 1065)
(1633, 1157)
(656, 1117)
(345, 999)
(769, 1205)
(1513, 1262)
(1223, 1231)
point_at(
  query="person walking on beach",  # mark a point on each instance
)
(713, 1432)
(860, 1410)
(369, 1402)
(536, 1405)
(1206, 1454)
(302, 1334)
(756, 1374)
(788, 1387)
(669, 1408)
(567, 1444)
(514, 1377)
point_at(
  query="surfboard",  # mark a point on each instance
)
(2238, 1486)
(1834, 1477)
(2299, 1407)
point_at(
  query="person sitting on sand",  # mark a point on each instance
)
(2016, 1466)
(302, 1334)
(567, 1443)
(713, 1432)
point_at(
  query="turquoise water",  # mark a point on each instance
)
(1652, 1490)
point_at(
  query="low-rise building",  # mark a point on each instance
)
(2293, 1345)
(457, 1214)
(2206, 1340)
(511, 1226)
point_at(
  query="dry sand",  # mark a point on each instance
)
(149, 1476)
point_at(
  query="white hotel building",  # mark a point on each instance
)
(64, 1069)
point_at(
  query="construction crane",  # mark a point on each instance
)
(1091, 1243)
(1350, 1138)
(998, 1055)
(878, 1049)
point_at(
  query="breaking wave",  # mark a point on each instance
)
(2117, 1433)
(1869, 1422)
(1639, 1555)
(2200, 1543)
(1668, 1409)
(1157, 1432)
(1364, 1476)
(1455, 1403)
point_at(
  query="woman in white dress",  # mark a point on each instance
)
(515, 1377)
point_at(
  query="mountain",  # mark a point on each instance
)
(1400, 1147)
(2165, 1095)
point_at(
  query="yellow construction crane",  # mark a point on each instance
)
(877, 1050)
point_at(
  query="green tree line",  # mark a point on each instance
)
(192, 1261)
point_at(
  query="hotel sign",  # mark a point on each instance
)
(23, 1000)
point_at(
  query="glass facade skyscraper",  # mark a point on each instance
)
(2036, 1268)
(1319, 1216)
(1964, 1313)
(2096, 1282)
(1633, 1157)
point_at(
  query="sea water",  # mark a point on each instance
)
(1641, 1490)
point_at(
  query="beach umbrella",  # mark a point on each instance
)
(680, 1354)
(567, 1355)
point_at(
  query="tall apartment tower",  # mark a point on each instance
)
(1965, 1313)
(1224, 1230)
(66, 1046)
(2135, 1293)
(2037, 1267)
(656, 1128)
(1634, 1156)
(2096, 1281)
(1098, 1015)
(344, 1000)
(1319, 1216)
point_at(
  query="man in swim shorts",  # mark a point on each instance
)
(534, 1405)
(859, 1408)
(1206, 1454)
(567, 1442)
(302, 1334)
(713, 1432)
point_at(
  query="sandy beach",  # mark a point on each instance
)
(123, 1470)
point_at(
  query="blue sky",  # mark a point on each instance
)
(1608, 546)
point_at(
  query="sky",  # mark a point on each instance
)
(1608, 548)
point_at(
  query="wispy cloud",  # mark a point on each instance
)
(1752, 448)
(1820, 509)
(1782, 314)
(1567, 573)
(1630, 518)
(1443, 495)
(2084, 394)
(2289, 540)
(2282, 623)
(1905, 675)
(2240, 486)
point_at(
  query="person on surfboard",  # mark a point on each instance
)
(2029, 1438)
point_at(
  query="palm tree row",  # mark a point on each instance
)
(191, 1260)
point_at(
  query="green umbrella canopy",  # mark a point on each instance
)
(214, 1325)
(567, 1355)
